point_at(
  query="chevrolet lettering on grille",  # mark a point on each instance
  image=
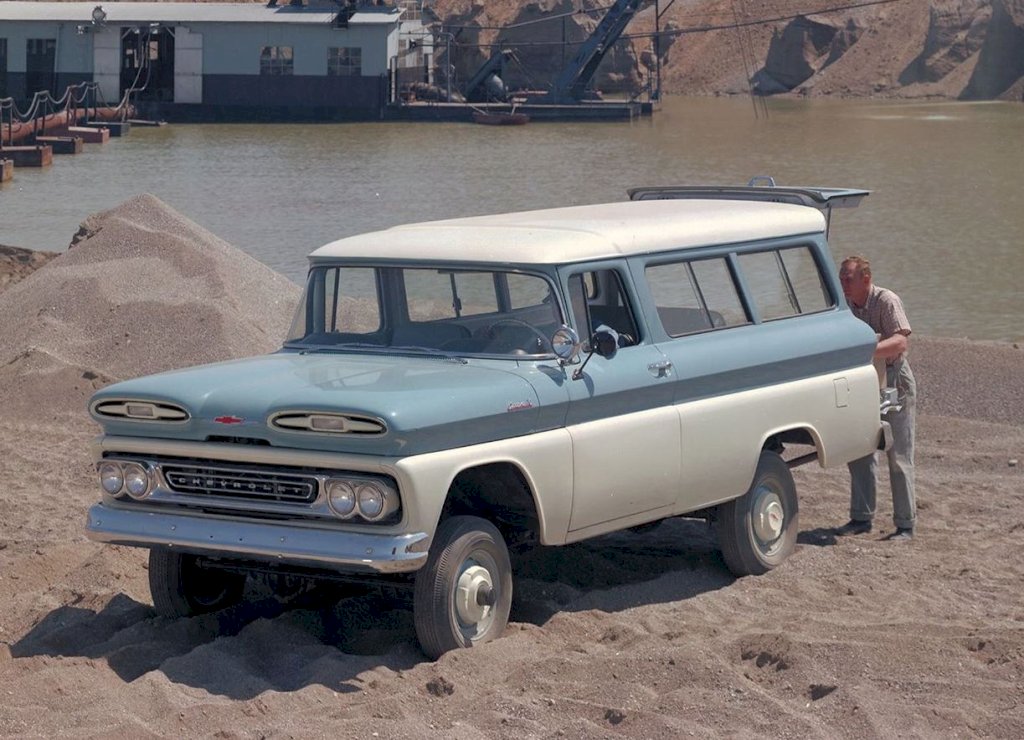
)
(240, 483)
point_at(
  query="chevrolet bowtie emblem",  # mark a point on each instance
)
(229, 419)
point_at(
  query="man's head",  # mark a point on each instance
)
(855, 277)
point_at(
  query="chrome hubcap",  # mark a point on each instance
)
(769, 517)
(473, 595)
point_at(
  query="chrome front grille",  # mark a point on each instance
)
(251, 484)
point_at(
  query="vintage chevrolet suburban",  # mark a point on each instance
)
(454, 389)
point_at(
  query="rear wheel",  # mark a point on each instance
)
(463, 594)
(758, 530)
(181, 588)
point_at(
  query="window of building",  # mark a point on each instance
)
(695, 296)
(3, 68)
(40, 57)
(277, 60)
(344, 61)
(784, 282)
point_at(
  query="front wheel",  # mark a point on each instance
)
(180, 587)
(758, 530)
(463, 593)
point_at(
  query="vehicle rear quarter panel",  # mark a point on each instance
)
(723, 436)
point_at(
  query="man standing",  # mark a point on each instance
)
(882, 310)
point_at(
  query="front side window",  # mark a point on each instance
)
(695, 296)
(344, 61)
(453, 311)
(599, 299)
(276, 60)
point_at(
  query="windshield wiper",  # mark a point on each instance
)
(379, 348)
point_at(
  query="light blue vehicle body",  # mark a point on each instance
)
(553, 448)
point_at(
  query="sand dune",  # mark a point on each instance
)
(631, 635)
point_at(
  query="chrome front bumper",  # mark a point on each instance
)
(354, 552)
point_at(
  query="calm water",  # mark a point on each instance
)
(943, 226)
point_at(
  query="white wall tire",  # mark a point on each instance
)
(758, 530)
(180, 588)
(463, 593)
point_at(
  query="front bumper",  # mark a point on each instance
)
(347, 551)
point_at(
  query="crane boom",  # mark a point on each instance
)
(574, 77)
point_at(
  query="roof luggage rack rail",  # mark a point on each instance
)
(759, 188)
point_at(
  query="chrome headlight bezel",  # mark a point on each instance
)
(373, 499)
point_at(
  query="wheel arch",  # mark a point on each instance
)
(801, 434)
(500, 491)
(535, 469)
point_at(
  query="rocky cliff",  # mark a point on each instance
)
(961, 49)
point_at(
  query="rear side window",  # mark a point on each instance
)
(784, 282)
(695, 296)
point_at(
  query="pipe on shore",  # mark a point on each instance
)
(13, 133)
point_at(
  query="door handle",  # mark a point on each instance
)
(660, 369)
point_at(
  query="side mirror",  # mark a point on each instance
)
(604, 342)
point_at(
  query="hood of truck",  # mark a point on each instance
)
(422, 404)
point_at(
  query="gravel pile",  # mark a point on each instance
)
(969, 379)
(143, 289)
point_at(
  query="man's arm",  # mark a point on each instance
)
(892, 347)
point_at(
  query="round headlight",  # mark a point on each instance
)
(111, 478)
(371, 501)
(136, 480)
(341, 497)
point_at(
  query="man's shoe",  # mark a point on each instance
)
(902, 534)
(853, 526)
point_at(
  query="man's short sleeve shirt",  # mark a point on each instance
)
(883, 312)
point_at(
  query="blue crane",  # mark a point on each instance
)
(572, 81)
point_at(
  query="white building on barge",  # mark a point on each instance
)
(218, 61)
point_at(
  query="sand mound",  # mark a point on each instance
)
(142, 290)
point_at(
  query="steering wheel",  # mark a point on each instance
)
(541, 342)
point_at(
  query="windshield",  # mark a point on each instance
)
(453, 311)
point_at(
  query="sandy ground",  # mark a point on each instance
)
(631, 635)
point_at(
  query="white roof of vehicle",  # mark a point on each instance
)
(183, 12)
(562, 235)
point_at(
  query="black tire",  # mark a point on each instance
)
(180, 588)
(467, 551)
(758, 530)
